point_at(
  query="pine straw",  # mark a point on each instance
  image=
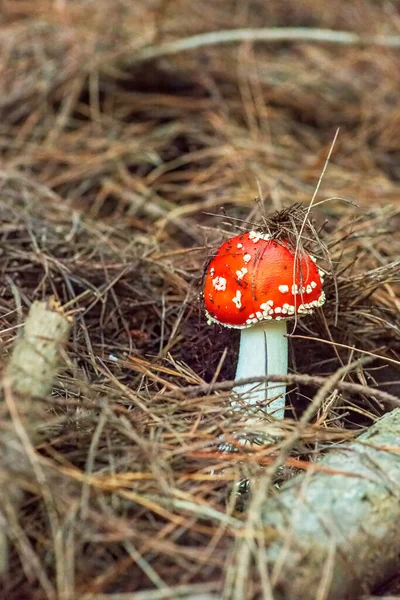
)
(113, 177)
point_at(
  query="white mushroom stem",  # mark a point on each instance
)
(263, 351)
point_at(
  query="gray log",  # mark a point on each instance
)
(35, 357)
(338, 536)
(29, 374)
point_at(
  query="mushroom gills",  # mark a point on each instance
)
(263, 351)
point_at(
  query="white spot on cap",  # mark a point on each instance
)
(278, 309)
(295, 289)
(247, 258)
(239, 246)
(256, 236)
(313, 284)
(283, 289)
(212, 271)
(237, 300)
(219, 284)
(241, 273)
(266, 306)
(309, 289)
(253, 235)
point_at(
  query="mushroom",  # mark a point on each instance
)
(255, 283)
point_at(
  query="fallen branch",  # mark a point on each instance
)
(29, 374)
(35, 358)
(338, 539)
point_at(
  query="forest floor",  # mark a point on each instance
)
(126, 159)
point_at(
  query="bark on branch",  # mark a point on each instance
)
(29, 374)
(338, 536)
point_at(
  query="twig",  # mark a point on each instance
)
(269, 35)
(313, 380)
(180, 591)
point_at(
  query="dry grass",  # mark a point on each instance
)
(113, 175)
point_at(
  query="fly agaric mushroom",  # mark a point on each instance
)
(255, 283)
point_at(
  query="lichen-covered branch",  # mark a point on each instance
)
(339, 535)
(35, 357)
(29, 374)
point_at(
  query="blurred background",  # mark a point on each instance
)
(115, 135)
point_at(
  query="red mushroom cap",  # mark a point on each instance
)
(253, 278)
